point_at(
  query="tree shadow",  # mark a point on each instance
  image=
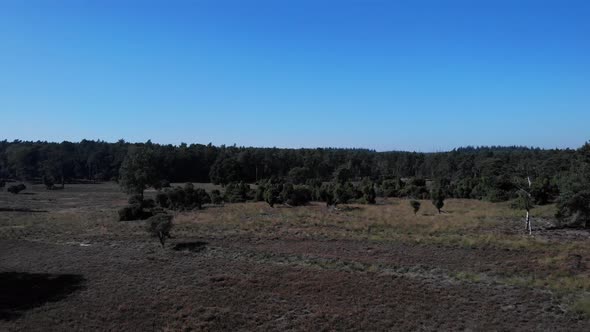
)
(21, 291)
(190, 246)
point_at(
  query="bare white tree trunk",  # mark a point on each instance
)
(528, 223)
(528, 216)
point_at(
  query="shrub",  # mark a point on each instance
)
(216, 197)
(161, 184)
(299, 175)
(237, 192)
(326, 194)
(343, 193)
(162, 199)
(135, 200)
(130, 212)
(260, 190)
(48, 182)
(369, 194)
(391, 188)
(140, 201)
(295, 196)
(16, 189)
(415, 205)
(185, 198)
(342, 174)
(148, 203)
(160, 226)
(272, 194)
(438, 198)
(573, 209)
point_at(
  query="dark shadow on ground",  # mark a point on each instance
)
(24, 291)
(190, 246)
(7, 209)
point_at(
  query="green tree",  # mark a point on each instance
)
(138, 171)
(342, 174)
(369, 194)
(438, 198)
(272, 194)
(160, 226)
(298, 175)
(415, 205)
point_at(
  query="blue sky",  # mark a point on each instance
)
(387, 75)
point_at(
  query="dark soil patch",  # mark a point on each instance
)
(23, 291)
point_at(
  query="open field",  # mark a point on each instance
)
(248, 266)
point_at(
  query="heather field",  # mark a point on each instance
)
(67, 263)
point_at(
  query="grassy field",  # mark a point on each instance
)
(66, 263)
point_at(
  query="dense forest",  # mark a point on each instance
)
(492, 173)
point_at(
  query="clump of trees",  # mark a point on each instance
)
(15, 189)
(273, 192)
(472, 172)
(183, 198)
(2, 184)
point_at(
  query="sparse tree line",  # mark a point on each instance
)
(334, 176)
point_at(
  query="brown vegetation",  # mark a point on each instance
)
(250, 266)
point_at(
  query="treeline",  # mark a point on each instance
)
(491, 173)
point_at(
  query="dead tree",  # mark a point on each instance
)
(526, 202)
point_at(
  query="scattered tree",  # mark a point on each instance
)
(160, 226)
(138, 171)
(438, 198)
(415, 205)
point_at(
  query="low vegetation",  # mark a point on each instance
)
(16, 188)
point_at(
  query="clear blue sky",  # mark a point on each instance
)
(403, 75)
